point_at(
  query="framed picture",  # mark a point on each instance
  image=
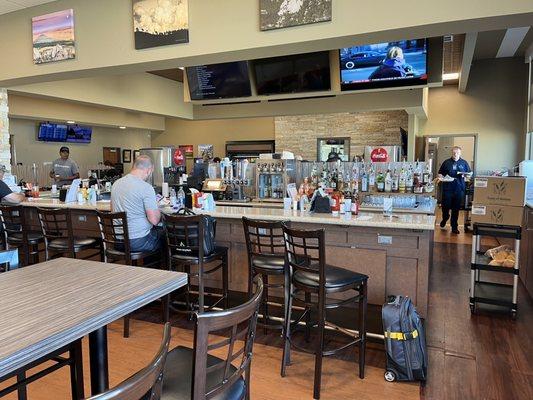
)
(126, 156)
(53, 37)
(136, 153)
(187, 150)
(205, 151)
(160, 23)
(276, 14)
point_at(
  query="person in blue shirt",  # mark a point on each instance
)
(453, 192)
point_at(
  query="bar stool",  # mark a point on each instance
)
(185, 236)
(116, 248)
(59, 239)
(309, 274)
(18, 236)
(266, 257)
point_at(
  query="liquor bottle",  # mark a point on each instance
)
(402, 183)
(334, 179)
(355, 203)
(395, 181)
(409, 180)
(380, 182)
(364, 181)
(388, 181)
(426, 177)
(354, 187)
(371, 177)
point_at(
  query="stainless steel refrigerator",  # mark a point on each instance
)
(162, 157)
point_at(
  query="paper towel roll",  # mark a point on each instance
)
(164, 189)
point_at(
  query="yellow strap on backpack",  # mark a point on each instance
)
(401, 335)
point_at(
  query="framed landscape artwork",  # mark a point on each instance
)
(126, 156)
(136, 154)
(160, 22)
(276, 14)
(53, 37)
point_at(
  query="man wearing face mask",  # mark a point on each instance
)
(137, 198)
(453, 192)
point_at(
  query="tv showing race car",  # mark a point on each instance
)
(380, 65)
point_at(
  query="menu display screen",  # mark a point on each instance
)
(219, 81)
(64, 133)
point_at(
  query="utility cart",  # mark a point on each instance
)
(496, 294)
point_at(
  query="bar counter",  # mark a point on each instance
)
(395, 252)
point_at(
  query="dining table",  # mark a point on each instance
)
(48, 305)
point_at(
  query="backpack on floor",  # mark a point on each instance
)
(405, 342)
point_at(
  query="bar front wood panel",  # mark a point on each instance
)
(398, 268)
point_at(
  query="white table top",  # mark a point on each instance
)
(49, 305)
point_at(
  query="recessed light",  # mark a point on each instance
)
(121, 127)
(182, 68)
(71, 122)
(451, 76)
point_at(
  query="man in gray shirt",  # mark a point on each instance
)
(137, 198)
(64, 170)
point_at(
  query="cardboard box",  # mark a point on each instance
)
(497, 215)
(505, 191)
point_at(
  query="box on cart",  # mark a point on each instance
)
(496, 190)
(497, 214)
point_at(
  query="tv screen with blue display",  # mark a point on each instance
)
(381, 65)
(49, 132)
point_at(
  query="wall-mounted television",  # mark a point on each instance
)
(49, 132)
(293, 74)
(219, 81)
(381, 65)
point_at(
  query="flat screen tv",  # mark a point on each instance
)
(381, 65)
(79, 134)
(293, 74)
(219, 81)
(49, 132)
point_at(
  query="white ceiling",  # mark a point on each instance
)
(7, 6)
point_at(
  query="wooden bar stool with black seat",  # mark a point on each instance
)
(308, 274)
(9, 262)
(185, 236)
(18, 236)
(197, 374)
(116, 248)
(145, 384)
(266, 257)
(59, 239)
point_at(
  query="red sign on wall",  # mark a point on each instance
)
(179, 158)
(379, 154)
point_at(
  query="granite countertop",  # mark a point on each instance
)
(365, 219)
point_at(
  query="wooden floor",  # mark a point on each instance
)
(471, 357)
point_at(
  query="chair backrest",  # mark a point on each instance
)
(114, 233)
(239, 325)
(9, 259)
(147, 382)
(263, 238)
(184, 234)
(56, 223)
(306, 251)
(13, 220)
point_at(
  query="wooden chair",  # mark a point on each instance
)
(185, 248)
(308, 273)
(58, 233)
(116, 248)
(145, 384)
(17, 235)
(266, 257)
(9, 259)
(196, 374)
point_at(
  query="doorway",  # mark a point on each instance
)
(438, 148)
(112, 155)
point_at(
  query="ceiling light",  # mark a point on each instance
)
(71, 122)
(450, 76)
(182, 68)
(121, 127)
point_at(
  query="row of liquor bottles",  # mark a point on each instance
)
(374, 177)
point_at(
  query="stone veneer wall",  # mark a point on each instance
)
(5, 150)
(299, 134)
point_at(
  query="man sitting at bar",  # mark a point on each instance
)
(137, 198)
(6, 194)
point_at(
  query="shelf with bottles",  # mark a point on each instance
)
(272, 178)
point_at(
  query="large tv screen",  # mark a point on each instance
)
(49, 132)
(219, 81)
(401, 63)
(293, 74)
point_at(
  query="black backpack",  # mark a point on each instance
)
(210, 230)
(405, 341)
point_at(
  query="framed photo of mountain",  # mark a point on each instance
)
(160, 23)
(277, 14)
(53, 37)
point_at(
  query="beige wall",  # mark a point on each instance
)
(299, 134)
(216, 132)
(492, 107)
(28, 150)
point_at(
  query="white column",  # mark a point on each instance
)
(5, 150)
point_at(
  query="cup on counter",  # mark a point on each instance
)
(54, 189)
(347, 206)
(287, 202)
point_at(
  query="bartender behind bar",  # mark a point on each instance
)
(453, 192)
(64, 169)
